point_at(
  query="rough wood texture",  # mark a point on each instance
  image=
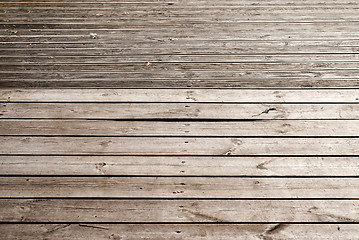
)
(258, 128)
(179, 95)
(179, 111)
(156, 119)
(179, 166)
(178, 146)
(178, 232)
(154, 211)
(178, 187)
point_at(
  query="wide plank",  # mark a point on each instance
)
(179, 166)
(178, 111)
(259, 128)
(100, 231)
(178, 146)
(180, 95)
(185, 211)
(178, 187)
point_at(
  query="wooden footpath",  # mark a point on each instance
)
(179, 119)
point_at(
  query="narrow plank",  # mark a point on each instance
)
(179, 95)
(259, 128)
(163, 211)
(178, 146)
(178, 187)
(48, 66)
(164, 80)
(180, 3)
(106, 55)
(179, 166)
(178, 111)
(101, 231)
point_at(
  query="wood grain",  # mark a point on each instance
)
(179, 211)
(178, 111)
(179, 166)
(178, 146)
(179, 95)
(178, 231)
(258, 128)
(178, 187)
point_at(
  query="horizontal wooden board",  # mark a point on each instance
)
(178, 146)
(99, 66)
(178, 187)
(260, 128)
(178, 111)
(100, 231)
(179, 166)
(61, 80)
(185, 12)
(179, 95)
(163, 211)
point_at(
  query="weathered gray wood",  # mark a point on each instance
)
(178, 111)
(179, 95)
(178, 187)
(178, 146)
(179, 166)
(172, 231)
(262, 128)
(62, 80)
(67, 210)
(338, 66)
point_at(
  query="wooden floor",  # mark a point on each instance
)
(179, 119)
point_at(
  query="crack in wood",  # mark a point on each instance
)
(236, 143)
(262, 166)
(57, 228)
(271, 230)
(95, 227)
(203, 216)
(266, 111)
(324, 216)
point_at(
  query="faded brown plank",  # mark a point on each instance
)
(262, 128)
(62, 80)
(100, 66)
(178, 187)
(178, 146)
(178, 111)
(172, 231)
(179, 95)
(179, 166)
(162, 211)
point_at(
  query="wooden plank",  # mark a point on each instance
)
(260, 128)
(178, 111)
(178, 231)
(178, 146)
(342, 80)
(178, 187)
(179, 95)
(338, 66)
(274, 13)
(36, 55)
(163, 211)
(62, 57)
(179, 166)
